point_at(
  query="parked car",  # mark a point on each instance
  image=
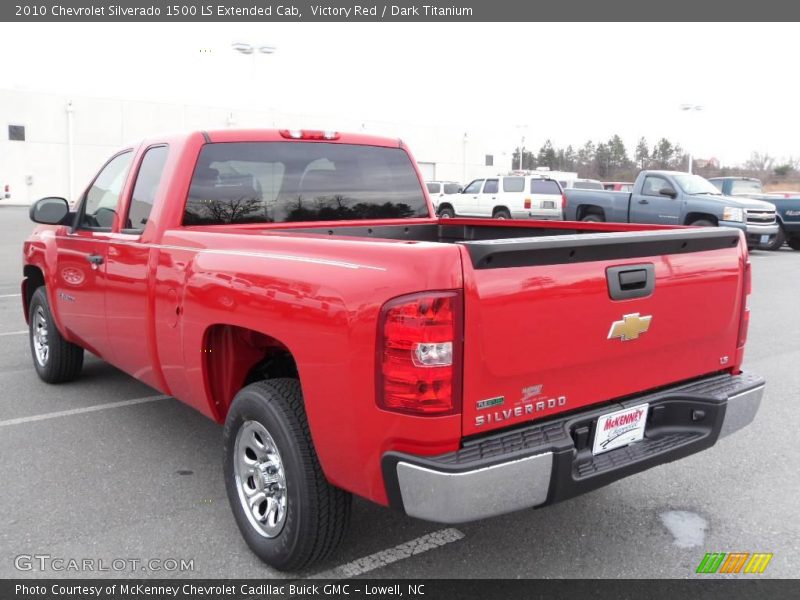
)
(6, 191)
(582, 184)
(353, 343)
(507, 197)
(438, 190)
(787, 205)
(618, 186)
(676, 198)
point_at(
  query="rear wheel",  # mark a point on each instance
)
(593, 218)
(794, 242)
(778, 241)
(501, 213)
(446, 213)
(288, 513)
(55, 359)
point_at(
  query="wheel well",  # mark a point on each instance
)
(445, 205)
(589, 209)
(497, 209)
(697, 216)
(234, 357)
(34, 279)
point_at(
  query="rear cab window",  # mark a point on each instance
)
(744, 186)
(279, 182)
(452, 188)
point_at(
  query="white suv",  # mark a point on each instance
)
(437, 190)
(507, 197)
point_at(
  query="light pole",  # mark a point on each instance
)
(251, 50)
(522, 144)
(689, 108)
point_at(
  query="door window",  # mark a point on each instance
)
(474, 187)
(433, 188)
(491, 186)
(145, 188)
(653, 185)
(100, 203)
(513, 184)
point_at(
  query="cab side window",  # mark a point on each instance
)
(653, 185)
(100, 203)
(144, 190)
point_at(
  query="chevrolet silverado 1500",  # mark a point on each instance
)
(787, 206)
(675, 198)
(297, 287)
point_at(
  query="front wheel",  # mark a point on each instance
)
(777, 241)
(55, 359)
(794, 242)
(288, 513)
(703, 223)
(446, 213)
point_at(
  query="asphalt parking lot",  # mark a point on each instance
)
(143, 480)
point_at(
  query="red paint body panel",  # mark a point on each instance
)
(161, 298)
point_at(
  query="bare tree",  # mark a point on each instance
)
(760, 161)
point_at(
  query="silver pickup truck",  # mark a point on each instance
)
(676, 198)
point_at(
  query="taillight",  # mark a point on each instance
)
(308, 134)
(563, 201)
(527, 202)
(744, 320)
(419, 354)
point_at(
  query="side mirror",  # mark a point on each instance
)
(50, 211)
(667, 192)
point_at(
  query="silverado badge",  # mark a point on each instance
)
(630, 327)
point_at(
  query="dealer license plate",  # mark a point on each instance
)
(765, 239)
(620, 428)
(548, 204)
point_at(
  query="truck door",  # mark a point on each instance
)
(128, 310)
(80, 280)
(658, 202)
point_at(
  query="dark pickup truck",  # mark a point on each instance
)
(787, 206)
(676, 198)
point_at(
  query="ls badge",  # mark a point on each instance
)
(630, 327)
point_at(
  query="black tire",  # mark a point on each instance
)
(703, 223)
(316, 513)
(794, 242)
(593, 218)
(447, 213)
(61, 360)
(777, 243)
(501, 213)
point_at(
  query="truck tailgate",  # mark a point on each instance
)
(558, 323)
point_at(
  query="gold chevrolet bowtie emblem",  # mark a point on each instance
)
(630, 327)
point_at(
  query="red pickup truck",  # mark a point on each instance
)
(297, 287)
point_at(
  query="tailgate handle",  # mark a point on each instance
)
(631, 281)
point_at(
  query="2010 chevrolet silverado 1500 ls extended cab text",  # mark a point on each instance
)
(675, 198)
(297, 287)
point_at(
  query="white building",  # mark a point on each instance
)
(52, 144)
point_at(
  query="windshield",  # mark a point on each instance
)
(276, 182)
(745, 186)
(694, 184)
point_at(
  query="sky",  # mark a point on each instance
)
(566, 82)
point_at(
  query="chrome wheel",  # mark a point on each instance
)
(260, 479)
(41, 344)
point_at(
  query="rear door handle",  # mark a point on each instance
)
(95, 259)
